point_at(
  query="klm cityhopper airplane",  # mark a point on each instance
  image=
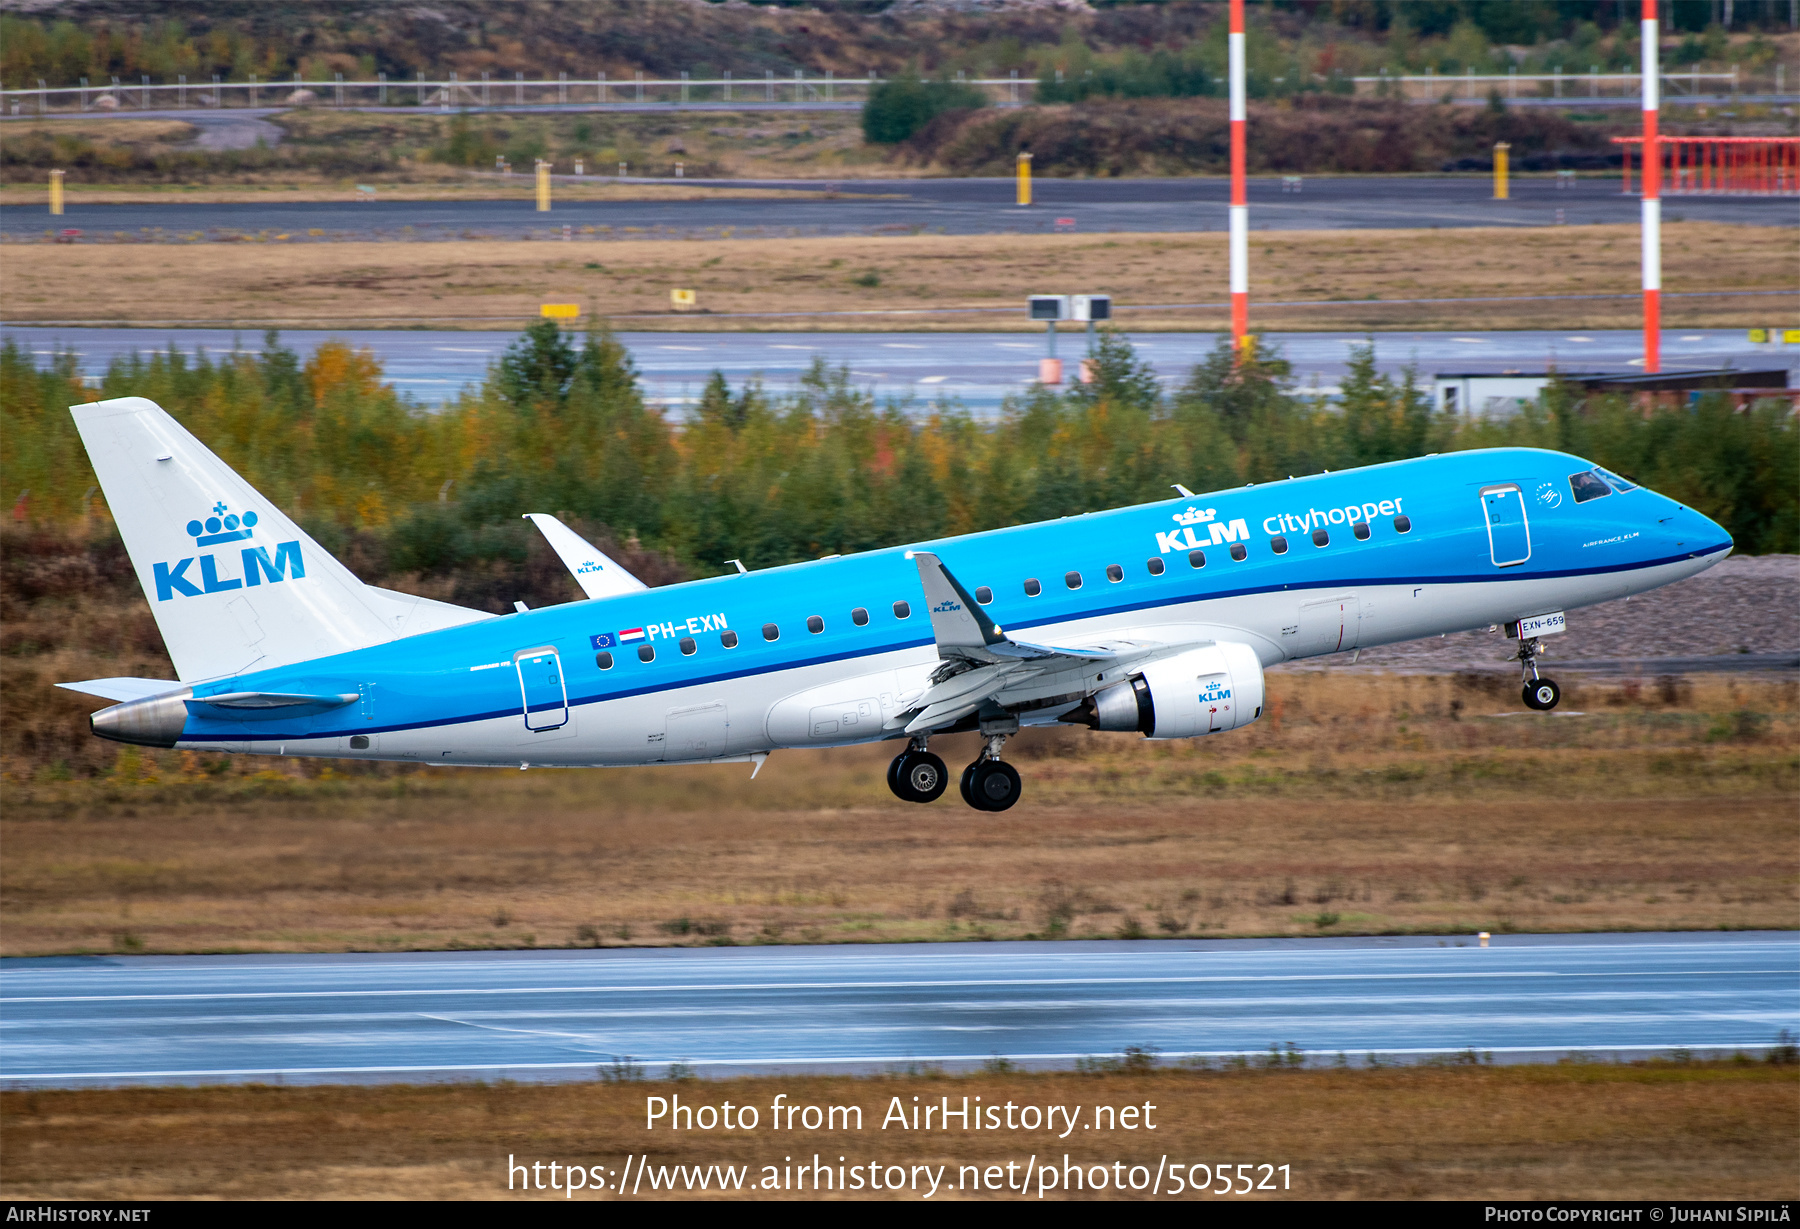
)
(1158, 619)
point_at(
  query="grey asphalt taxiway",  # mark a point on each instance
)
(902, 206)
(977, 370)
(564, 1014)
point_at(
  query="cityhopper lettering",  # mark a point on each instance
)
(256, 565)
(1321, 518)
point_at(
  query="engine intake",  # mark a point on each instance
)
(1202, 691)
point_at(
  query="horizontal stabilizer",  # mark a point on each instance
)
(122, 690)
(597, 575)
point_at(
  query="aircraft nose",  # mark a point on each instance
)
(1697, 533)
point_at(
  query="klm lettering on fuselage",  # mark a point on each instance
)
(174, 579)
(1217, 532)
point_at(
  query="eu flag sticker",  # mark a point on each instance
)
(605, 640)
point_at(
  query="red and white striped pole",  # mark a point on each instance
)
(1652, 200)
(1240, 209)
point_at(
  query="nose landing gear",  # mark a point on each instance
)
(1540, 693)
(990, 783)
(916, 775)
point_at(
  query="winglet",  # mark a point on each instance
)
(597, 575)
(957, 620)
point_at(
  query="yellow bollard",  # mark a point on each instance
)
(1024, 178)
(1500, 149)
(543, 186)
(56, 185)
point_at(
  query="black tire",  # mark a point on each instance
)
(966, 784)
(895, 775)
(991, 785)
(920, 776)
(1542, 695)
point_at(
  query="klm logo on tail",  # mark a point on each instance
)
(174, 580)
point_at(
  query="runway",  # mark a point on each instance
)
(977, 370)
(902, 206)
(562, 1014)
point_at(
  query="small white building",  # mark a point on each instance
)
(1483, 394)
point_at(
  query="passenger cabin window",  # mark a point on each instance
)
(1072, 579)
(728, 639)
(984, 595)
(815, 624)
(646, 652)
(1278, 545)
(1403, 524)
(1196, 559)
(688, 647)
(771, 632)
(1322, 537)
(1155, 566)
(1361, 530)
(603, 660)
(860, 617)
(1238, 552)
(1588, 485)
(1115, 573)
(902, 610)
(1032, 588)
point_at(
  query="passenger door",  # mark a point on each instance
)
(541, 688)
(1509, 536)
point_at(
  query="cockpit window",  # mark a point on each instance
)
(1618, 484)
(1587, 485)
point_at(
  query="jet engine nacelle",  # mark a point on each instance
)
(1201, 691)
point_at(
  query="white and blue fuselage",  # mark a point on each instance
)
(842, 650)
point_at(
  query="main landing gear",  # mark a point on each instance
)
(916, 775)
(989, 784)
(1540, 693)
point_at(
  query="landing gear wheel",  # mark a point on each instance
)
(918, 776)
(991, 785)
(1542, 694)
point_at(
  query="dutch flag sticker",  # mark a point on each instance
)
(630, 634)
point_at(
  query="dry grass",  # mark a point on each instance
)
(1360, 804)
(1662, 1131)
(344, 284)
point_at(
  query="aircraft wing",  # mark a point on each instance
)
(597, 575)
(981, 663)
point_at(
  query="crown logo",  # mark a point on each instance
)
(221, 526)
(1194, 516)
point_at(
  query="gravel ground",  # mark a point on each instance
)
(1747, 604)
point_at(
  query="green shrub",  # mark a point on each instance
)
(900, 107)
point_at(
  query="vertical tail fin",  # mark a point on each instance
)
(233, 583)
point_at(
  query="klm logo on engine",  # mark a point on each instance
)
(1212, 532)
(222, 526)
(1213, 691)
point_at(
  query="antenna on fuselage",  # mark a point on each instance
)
(1182, 490)
(739, 565)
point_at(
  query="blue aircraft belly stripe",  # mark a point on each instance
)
(1498, 575)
